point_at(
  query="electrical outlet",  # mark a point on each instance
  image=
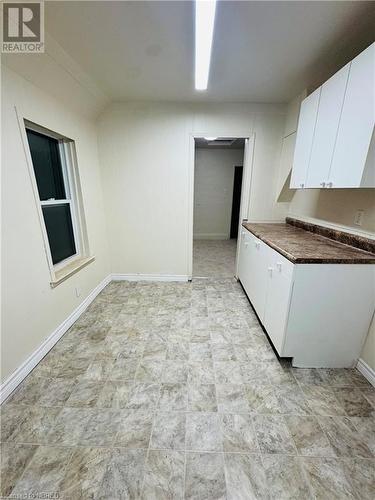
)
(358, 219)
(78, 291)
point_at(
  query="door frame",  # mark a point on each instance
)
(245, 188)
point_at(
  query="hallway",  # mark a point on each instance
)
(214, 258)
(172, 390)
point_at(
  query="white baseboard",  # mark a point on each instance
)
(366, 371)
(149, 277)
(211, 236)
(29, 364)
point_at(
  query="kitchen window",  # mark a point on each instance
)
(56, 182)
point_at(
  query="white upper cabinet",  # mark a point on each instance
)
(329, 111)
(335, 129)
(356, 124)
(304, 141)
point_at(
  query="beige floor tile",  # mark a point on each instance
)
(203, 432)
(168, 431)
(164, 475)
(327, 479)
(14, 460)
(245, 477)
(134, 430)
(285, 478)
(204, 476)
(238, 433)
(184, 368)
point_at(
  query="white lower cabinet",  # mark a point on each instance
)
(252, 271)
(280, 281)
(258, 280)
(243, 259)
(267, 279)
(317, 314)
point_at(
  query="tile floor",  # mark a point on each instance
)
(214, 258)
(170, 391)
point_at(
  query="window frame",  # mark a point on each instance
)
(73, 196)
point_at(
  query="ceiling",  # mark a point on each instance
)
(263, 51)
(202, 143)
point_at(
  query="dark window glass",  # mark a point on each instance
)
(59, 227)
(47, 166)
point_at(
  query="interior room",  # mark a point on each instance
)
(182, 319)
(218, 174)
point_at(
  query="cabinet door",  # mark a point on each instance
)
(286, 162)
(305, 135)
(327, 124)
(243, 264)
(356, 123)
(258, 264)
(280, 280)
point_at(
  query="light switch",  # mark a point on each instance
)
(358, 219)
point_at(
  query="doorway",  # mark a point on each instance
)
(218, 178)
(236, 201)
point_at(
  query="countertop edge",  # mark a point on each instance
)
(299, 260)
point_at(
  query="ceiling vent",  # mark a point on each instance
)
(221, 142)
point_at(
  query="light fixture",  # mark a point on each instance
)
(210, 138)
(204, 30)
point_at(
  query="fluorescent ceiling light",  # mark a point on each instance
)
(210, 138)
(204, 30)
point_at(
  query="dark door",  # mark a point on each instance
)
(237, 185)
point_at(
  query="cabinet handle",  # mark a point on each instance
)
(279, 266)
(329, 184)
(270, 269)
(323, 184)
(302, 185)
(257, 245)
(246, 244)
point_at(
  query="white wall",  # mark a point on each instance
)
(31, 309)
(213, 191)
(337, 206)
(145, 155)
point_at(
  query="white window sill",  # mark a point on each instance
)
(70, 269)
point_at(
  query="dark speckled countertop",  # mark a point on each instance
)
(304, 247)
